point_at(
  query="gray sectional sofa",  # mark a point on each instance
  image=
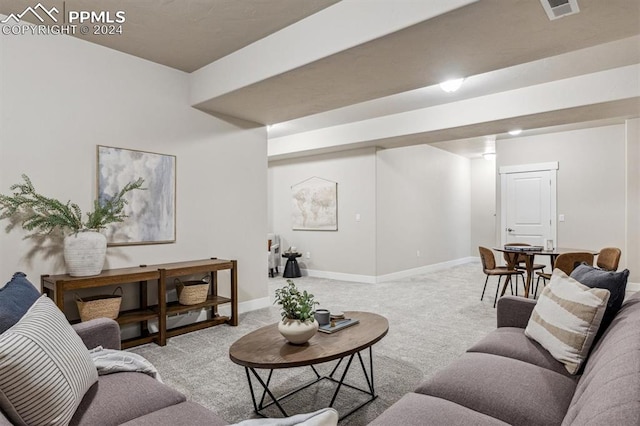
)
(133, 399)
(507, 378)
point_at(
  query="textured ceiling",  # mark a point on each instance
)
(185, 34)
(484, 36)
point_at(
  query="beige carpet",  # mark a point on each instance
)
(433, 318)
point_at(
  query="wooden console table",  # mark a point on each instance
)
(55, 286)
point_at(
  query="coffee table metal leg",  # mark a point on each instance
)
(264, 392)
(335, 368)
(315, 371)
(369, 382)
(258, 407)
(266, 389)
(344, 374)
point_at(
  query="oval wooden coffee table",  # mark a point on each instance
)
(266, 349)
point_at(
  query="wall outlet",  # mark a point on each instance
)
(308, 255)
(418, 253)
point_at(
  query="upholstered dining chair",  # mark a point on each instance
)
(490, 268)
(520, 258)
(608, 258)
(273, 254)
(566, 262)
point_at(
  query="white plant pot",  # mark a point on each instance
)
(84, 253)
(296, 331)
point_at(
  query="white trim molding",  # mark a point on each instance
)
(371, 279)
(523, 168)
(424, 269)
(247, 306)
(367, 279)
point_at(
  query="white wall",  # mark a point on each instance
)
(591, 181)
(423, 204)
(350, 249)
(632, 254)
(62, 96)
(409, 199)
(483, 204)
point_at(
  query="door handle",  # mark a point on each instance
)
(510, 230)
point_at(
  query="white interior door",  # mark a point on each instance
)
(528, 204)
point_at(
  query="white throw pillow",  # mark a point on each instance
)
(323, 417)
(566, 319)
(45, 368)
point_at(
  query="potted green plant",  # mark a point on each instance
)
(298, 324)
(84, 247)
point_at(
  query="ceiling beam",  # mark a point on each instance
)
(339, 27)
(600, 88)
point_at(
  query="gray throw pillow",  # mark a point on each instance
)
(615, 282)
(16, 297)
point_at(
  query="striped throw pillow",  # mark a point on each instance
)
(566, 319)
(45, 369)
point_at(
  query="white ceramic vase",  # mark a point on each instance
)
(84, 253)
(298, 332)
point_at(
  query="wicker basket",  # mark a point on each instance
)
(192, 292)
(104, 306)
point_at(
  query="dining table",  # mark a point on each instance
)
(529, 254)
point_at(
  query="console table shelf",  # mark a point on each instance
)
(137, 315)
(55, 286)
(174, 308)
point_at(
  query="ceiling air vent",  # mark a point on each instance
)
(560, 8)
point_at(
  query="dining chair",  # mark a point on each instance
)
(608, 258)
(273, 254)
(566, 262)
(520, 258)
(490, 268)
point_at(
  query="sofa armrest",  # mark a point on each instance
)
(514, 311)
(103, 332)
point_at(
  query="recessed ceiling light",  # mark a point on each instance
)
(489, 155)
(451, 86)
(515, 132)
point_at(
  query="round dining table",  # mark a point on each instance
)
(529, 253)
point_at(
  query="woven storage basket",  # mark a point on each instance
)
(104, 306)
(192, 292)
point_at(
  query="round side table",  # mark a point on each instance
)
(291, 269)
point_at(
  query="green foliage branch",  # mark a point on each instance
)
(295, 304)
(42, 214)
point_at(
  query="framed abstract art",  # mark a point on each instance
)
(151, 212)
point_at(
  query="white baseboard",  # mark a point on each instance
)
(249, 305)
(368, 279)
(424, 269)
(371, 279)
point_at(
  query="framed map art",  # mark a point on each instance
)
(314, 205)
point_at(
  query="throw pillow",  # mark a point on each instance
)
(45, 368)
(615, 282)
(16, 297)
(322, 417)
(566, 319)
